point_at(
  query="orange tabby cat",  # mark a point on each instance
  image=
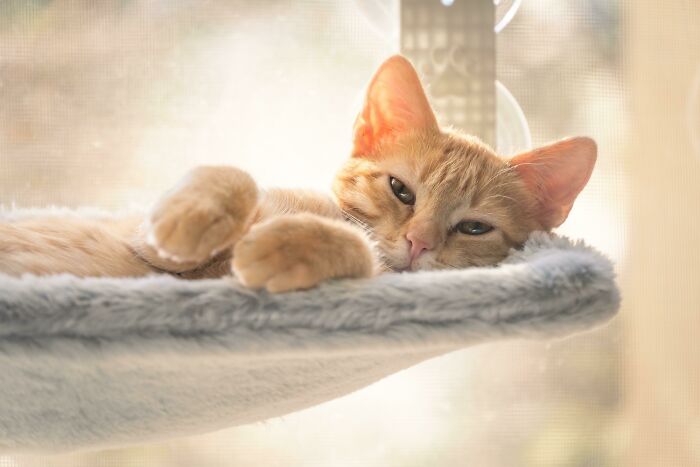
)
(412, 196)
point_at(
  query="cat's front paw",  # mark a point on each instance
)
(299, 251)
(197, 221)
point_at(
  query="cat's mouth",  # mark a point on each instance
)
(399, 266)
(389, 258)
(411, 268)
(419, 264)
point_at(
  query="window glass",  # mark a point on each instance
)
(109, 103)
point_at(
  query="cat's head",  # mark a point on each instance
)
(437, 199)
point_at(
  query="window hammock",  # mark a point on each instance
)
(88, 363)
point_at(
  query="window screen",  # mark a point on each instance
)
(108, 103)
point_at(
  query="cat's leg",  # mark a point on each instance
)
(298, 251)
(205, 214)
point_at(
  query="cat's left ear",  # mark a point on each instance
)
(395, 104)
(556, 174)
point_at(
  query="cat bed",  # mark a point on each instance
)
(91, 363)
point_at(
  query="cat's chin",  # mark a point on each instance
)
(408, 269)
(395, 268)
(405, 268)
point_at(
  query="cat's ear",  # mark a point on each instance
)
(556, 174)
(395, 104)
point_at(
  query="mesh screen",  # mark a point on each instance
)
(453, 48)
(108, 103)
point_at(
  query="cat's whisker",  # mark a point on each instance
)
(363, 225)
(533, 164)
(505, 184)
(498, 174)
(500, 196)
(381, 258)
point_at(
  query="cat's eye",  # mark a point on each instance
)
(401, 191)
(474, 227)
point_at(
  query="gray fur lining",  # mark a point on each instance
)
(87, 363)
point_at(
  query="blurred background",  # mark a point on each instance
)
(108, 103)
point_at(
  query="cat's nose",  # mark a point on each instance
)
(418, 245)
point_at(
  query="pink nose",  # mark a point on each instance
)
(418, 246)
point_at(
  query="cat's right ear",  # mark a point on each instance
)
(555, 174)
(395, 104)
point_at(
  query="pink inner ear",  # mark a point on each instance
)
(556, 174)
(395, 104)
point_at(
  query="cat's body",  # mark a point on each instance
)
(412, 197)
(119, 246)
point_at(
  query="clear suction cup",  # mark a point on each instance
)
(382, 15)
(474, 72)
(512, 131)
(505, 10)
